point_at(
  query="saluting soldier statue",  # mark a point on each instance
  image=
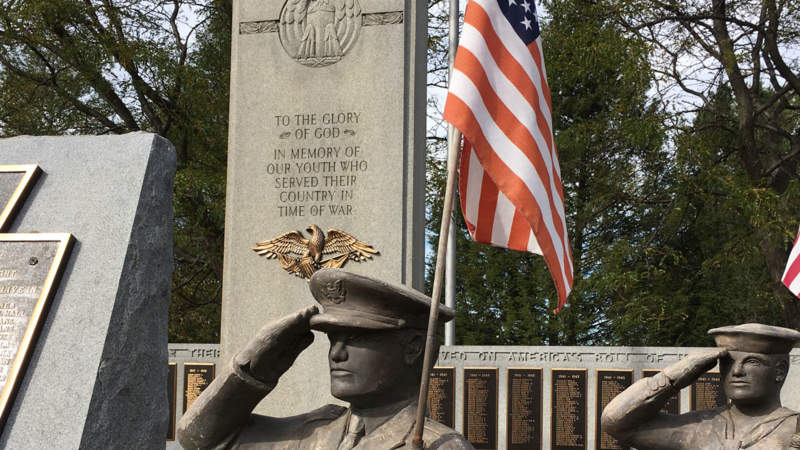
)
(754, 362)
(377, 338)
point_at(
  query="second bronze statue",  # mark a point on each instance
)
(754, 362)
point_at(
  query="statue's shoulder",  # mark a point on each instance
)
(705, 416)
(289, 429)
(323, 413)
(442, 437)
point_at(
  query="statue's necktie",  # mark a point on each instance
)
(355, 431)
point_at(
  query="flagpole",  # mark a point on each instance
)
(453, 147)
(450, 284)
(450, 273)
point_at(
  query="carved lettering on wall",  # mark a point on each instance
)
(316, 172)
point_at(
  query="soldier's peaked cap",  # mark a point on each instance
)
(756, 338)
(357, 301)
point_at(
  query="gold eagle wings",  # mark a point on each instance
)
(303, 257)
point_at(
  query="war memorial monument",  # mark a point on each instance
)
(324, 229)
(325, 171)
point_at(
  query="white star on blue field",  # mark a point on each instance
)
(521, 14)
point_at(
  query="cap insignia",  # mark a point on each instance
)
(335, 292)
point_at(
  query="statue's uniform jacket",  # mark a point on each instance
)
(698, 430)
(213, 424)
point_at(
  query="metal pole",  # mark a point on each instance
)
(452, 156)
(453, 147)
(450, 283)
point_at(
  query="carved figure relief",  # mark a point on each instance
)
(319, 33)
(309, 253)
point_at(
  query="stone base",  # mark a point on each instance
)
(96, 375)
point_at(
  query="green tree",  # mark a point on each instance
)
(747, 49)
(701, 264)
(118, 66)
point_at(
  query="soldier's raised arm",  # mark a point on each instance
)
(225, 406)
(634, 417)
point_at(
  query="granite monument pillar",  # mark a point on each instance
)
(327, 119)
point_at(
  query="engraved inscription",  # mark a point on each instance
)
(20, 288)
(480, 407)
(441, 395)
(568, 415)
(609, 384)
(673, 405)
(29, 268)
(209, 353)
(316, 172)
(560, 356)
(707, 392)
(196, 378)
(524, 420)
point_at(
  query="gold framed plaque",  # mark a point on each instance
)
(196, 378)
(31, 265)
(479, 421)
(15, 183)
(524, 405)
(442, 395)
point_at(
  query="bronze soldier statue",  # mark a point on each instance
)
(377, 338)
(754, 362)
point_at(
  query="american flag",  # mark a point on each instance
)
(791, 276)
(499, 99)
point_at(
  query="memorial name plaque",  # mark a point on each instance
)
(524, 410)
(707, 393)
(172, 385)
(568, 414)
(442, 395)
(480, 407)
(196, 378)
(673, 405)
(30, 268)
(609, 384)
(15, 183)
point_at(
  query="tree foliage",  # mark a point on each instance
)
(746, 50)
(118, 66)
(676, 124)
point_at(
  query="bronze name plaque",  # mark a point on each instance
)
(442, 395)
(609, 384)
(707, 393)
(480, 407)
(172, 381)
(568, 414)
(524, 410)
(673, 405)
(15, 184)
(30, 268)
(196, 378)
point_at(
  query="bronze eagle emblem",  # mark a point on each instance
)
(309, 253)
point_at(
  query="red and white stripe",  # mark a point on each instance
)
(791, 276)
(511, 192)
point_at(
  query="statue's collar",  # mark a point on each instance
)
(762, 429)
